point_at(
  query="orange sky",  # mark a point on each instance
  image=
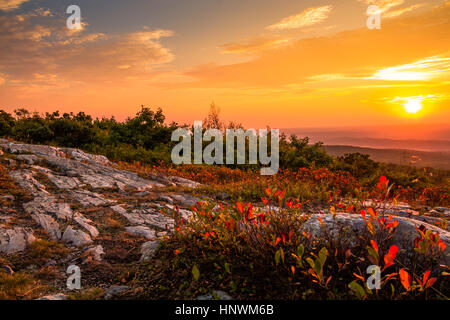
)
(291, 64)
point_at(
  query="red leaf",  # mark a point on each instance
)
(442, 245)
(363, 213)
(383, 183)
(328, 280)
(240, 208)
(393, 251)
(371, 212)
(405, 279)
(359, 277)
(374, 245)
(430, 282)
(277, 240)
(390, 276)
(393, 224)
(389, 258)
(425, 277)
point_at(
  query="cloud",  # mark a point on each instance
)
(253, 45)
(31, 47)
(355, 53)
(331, 77)
(424, 69)
(422, 98)
(10, 5)
(384, 5)
(399, 12)
(145, 36)
(308, 17)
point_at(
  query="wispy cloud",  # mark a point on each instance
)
(323, 59)
(399, 12)
(384, 5)
(425, 69)
(253, 45)
(421, 98)
(308, 17)
(332, 77)
(10, 5)
(421, 70)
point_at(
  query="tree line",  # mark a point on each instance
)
(146, 138)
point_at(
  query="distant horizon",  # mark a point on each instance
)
(400, 132)
(206, 109)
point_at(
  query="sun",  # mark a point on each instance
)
(413, 106)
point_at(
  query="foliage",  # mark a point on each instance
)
(264, 253)
(146, 139)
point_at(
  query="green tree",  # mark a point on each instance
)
(6, 123)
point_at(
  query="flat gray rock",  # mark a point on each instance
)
(49, 205)
(96, 252)
(75, 237)
(216, 295)
(49, 224)
(90, 199)
(54, 297)
(141, 231)
(25, 179)
(15, 239)
(148, 249)
(114, 291)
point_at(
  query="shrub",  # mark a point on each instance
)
(264, 254)
(6, 123)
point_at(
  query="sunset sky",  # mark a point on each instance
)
(283, 63)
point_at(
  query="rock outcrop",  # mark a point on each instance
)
(66, 183)
(350, 227)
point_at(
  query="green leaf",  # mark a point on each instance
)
(227, 268)
(357, 289)
(300, 250)
(277, 257)
(195, 272)
(372, 252)
(310, 262)
(322, 257)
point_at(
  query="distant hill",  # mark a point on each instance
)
(379, 143)
(431, 137)
(420, 159)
